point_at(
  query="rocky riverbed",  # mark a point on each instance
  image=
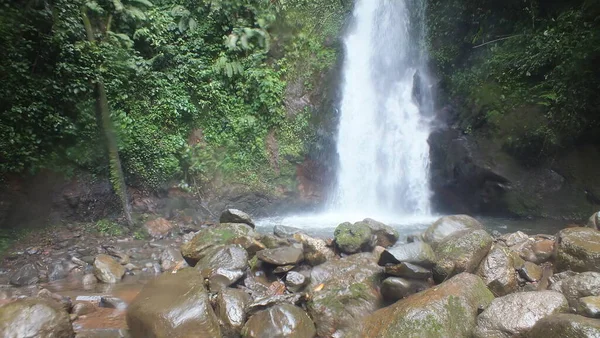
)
(455, 279)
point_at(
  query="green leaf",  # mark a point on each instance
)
(179, 11)
(192, 24)
(118, 5)
(182, 25)
(135, 13)
(143, 2)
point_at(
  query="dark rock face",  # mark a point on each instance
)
(26, 275)
(349, 292)
(34, 318)
(173, 305)
(236, 216)
(284, 320)
(578, 249)
(395, 288)
(447, 226)
(565, 325)
(461, 252)
(472, 174)
(353, 238)
(498, 271)
(231, 306)
(223, 266)
(419, 253)
(517, 313)
(448, 310)
(281, 256)
(408, 270)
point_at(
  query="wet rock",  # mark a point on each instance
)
(514, 238)
(589, 306)
(117, 254)
(447, 310)
(581, 285)
(171, 258)
(107, 270)
(531, 272)
(236, 216)
(557, 279)
(26, 275)
(517, 313)
(395, 288)
(224, 266)
(447, 226)
(352, 238)
(283, 231)
(542, 250)
(159, 228)
(34, 317)
(83, 308)
(251, 245)
(112, 303)
(208, 238)
(279, 321)
(419, 253)
(342, 292)
(385, 235)
(316, 250)
(173, 305)
(283, 268)
(461, 252)
(230, 307)
(594, 221)
(272, 241)
(408, 270)
(281, 256)
(578, 249)
(295, 281)
(269, 300)
(64, 302)
(89, 280)
(498, 272)
(565, 325)
(57, 270)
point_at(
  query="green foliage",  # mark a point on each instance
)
(109, 228)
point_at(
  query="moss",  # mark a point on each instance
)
(352, 238)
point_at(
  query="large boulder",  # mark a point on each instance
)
(581, 285)
(236, 216)
(25, 275)
(385, 235)
(286, 255)
(517, 313)
(565, 326)
(223, 266)
(461, 252)
(447, 310)
(498, 271)
(209, 238)
(447, 226)
(107, 269)
(342, 292)
(280, 321)
(316, 250)
(231, 305)
(173, 305)
(578, 249)
(352, 238)
(34, 317)
(419, 253)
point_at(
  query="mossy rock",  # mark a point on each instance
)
(352, 238)
(578, 249)
(448, 225)
(461, 252)
(209, 238)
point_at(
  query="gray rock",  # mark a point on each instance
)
(461, 252)
(316, 250)
(230, 307)
(581, 285)
(170, 258)
(419, 253)
(517, 313)
(236, 216)
(352, 238)
(112, 303)
(395, 288)
(408, 270)
(224, 266)
(589, 306)
(594, 221)
(63, 301)
(83, 308)
(107, 270)
(34, 317)
(89, 280)
(447, 226)
(283, 231)
(578, 249)
(281, 256)
(514, 238)
(498, 272)
(279, 321)
(57, 270)
(385, 235)
(207, 239)
(565, 326)
(531, 272)
(26, 275)
(447, 310)
(272, 241)
(295, 281)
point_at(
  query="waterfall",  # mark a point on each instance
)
(384, 112)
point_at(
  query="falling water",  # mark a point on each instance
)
(386, 102)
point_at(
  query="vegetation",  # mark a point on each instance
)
(165, 91)
(523, 72)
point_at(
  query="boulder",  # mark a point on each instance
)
(565, 325)
(230, 307)
(395, 288)
(342, 292)
(57, 270)
(171, 258)
(283, 231)
(223, 266)
(594, 221)
(25, 275)
(447, 226)
(206, 239)
(173, 305)
(280, 321)
(281, 256)
(408, 270)
(108, 270)
(498, 272)
(514, 238)
(578, 249)
(316, 250)
(63, 301)
(446, 310)
(352, 238)
(419, 253)
(236, 216)
(159, 228)
(517, 313)
(531, 272)
(83, 308)
(385, 235)
(272, 241)
(589, 306)
(581, 285)
(295, 281)
(461, 252)
(34, 317)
